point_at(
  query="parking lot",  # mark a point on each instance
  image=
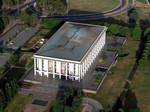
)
(3, 59)
(9, 35)
(22, 38)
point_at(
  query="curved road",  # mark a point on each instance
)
(124, 6)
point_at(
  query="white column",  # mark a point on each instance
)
(58, 68)
(79, 73)
(66, 70)
(37, 63)
(40, 64)
(76, 71)
(45, 67)
(83, 69)
(71, 70)
(35, 66)
(53, 69)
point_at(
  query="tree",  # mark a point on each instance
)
(12, 88)
(124, 31)
(2, 98)
(16, 87)
(136, 33)
(5, 20)
(8, 91)
(1, 104)
(113, 29)
(133, 15)
(52, 6)
(34, 19)
(58, 106)
(147, 32)
(9, 3)
(24, 16)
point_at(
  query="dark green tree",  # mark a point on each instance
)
(34, 19)
(133, 15)
(113, 29)
(147, 32)
(24, 16)
(124, 31)
(136, 33)
(3, 98)
(8, 91)
(58, 106)
(1, 104)
(5, 20)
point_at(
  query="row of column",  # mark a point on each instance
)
(93, 54)
(56, 68)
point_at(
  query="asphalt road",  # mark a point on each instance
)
(124, 6)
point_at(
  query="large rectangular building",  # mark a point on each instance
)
(71, 51)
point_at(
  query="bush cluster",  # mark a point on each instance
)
(71, 101)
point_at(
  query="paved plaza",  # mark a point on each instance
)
(87, 83)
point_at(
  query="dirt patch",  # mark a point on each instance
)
(141, 5)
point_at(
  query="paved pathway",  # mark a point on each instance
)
(91, 105)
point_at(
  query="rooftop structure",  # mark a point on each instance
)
(72, 41)
(70, 51)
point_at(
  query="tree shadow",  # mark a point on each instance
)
(130, 101)
(1, 4)
(17, 70)
(127, 101)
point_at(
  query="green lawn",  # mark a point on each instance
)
(113, 84)
(141, 87)
(17, 103)
(92, 5)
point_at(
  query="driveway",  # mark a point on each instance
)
(91, 105)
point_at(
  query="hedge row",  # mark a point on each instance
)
(125, 31)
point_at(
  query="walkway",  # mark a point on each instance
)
(91, 105)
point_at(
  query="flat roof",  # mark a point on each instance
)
(71, 41)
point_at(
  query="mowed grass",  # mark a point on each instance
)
(17, 103)
(113, 84)
(141, 87)
(92, 5)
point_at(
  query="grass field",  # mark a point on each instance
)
(113, 84)
(17, 103)
(92, 5)
(141, 87)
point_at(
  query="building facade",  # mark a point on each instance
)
(74, 55)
